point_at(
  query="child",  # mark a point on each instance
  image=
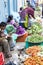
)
(3, 41)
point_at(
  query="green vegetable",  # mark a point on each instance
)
(35, 28)
(35, 38)
(37, 9)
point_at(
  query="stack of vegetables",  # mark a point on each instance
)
(33, 50)
(36, 56)
(36, 60)
(34, 43)
(40, 53)
(35, 28)
(35, 38)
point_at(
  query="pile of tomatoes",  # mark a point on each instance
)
(36, 60)
(33, 50)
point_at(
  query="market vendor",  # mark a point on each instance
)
(8, 33)
(24, 14)
(28, 10)
(19, 29)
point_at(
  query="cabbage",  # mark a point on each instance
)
(35, 38)
(35, 28)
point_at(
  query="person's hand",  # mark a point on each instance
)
(8, 36)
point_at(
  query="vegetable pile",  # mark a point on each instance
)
(33, 50)
(35, 28)
(34, 61)
(35, 38)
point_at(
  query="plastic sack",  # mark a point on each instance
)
(10, 29)
(14, 36)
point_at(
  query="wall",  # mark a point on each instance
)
(8, 7)
(3, 10)
(15, 5)
(19, 4)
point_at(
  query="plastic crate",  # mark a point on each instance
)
(1, 58)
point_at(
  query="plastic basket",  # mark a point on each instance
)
(22, 37)
(28, 44)
(1, 58)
